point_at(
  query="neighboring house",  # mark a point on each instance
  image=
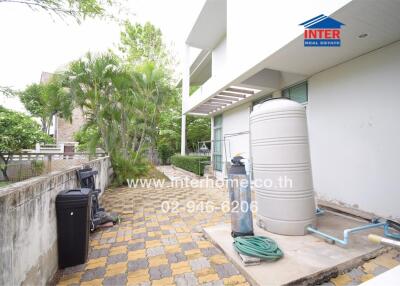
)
(251, 51)
(64, 130)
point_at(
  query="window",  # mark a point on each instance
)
(297, 93)
(217, 150)
(260, 101)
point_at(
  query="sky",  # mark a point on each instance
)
(32, 41)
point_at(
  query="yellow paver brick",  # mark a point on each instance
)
(94, 242)
(204, 244)
(218, 259)
(133, 255)
(154, 233)
(109, 234)
(234, 280)
(134, 281)
(366, 277)
(185, 239)
(180, 267)
(102, 246)
(118, 250)
(152, 224)
(139, 230)
(193, 253)
(136, 240)
(158, 260)
(172, 248)
(386, 260)
(94, 282)
(163, 282)
(115, 269)
(166, 227)
(341, 280)
(153, 243)
(208, 278)
(369, 266)
(98, 262)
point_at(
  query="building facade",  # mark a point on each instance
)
(241, 53)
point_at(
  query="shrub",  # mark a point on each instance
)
(194, 164)
(165, 152)
(37, 167)
(125, 168)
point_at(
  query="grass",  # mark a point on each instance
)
(4, 183)
(155, 174)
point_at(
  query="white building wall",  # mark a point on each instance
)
(219, 58)
(258, 28)
(354, 127)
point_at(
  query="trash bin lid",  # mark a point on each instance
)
(85, 173)
(73, 195)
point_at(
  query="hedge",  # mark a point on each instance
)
(190, 163)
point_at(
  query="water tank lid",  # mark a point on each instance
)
(277, 104)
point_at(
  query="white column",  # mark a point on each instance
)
(183, 135)
(212, 141)
(185, 96)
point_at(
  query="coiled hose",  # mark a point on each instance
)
(257, 246)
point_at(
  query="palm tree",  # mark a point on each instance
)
(123, 102)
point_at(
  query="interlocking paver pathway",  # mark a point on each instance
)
(154, 247)
(368, 270)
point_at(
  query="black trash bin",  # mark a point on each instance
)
(73, 222)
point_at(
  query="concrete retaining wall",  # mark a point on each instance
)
(28, 235)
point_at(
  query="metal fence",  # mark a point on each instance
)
(27, 165)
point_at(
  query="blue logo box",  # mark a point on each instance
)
(322, 43)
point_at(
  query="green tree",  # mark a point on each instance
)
(46, 100)
(78, 9)
(18, 131)
(123, 103)
(143, 43)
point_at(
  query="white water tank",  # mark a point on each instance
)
(281, 167)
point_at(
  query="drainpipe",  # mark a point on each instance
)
(346, 232)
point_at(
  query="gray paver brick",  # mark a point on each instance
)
(154, 251)
(214, 283)
(209, 251)
(136, 246)
(379, 270)
(186, 279)
(117, 258)
(93, 274)
(188, 246)
(226, 270)
(199, 263)
(120, 279)
(160, 272)
(176, 257)
(137, 264)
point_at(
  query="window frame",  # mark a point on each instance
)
(287, 89)
(217, 163)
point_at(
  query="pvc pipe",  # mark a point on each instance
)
(379, 239)
(346, 232)
(387, 233)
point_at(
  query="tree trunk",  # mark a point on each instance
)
(4, 170)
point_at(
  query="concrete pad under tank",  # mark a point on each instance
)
(307, 259)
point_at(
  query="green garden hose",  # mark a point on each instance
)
(257, 246)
